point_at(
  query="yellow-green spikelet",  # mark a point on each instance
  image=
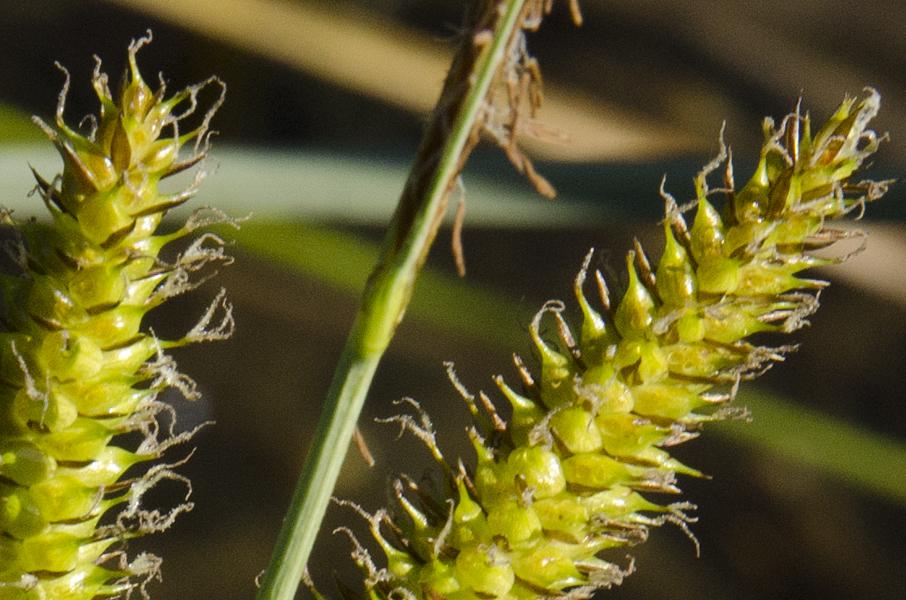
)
(564, 479)
(76, 370)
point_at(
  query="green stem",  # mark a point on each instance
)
(439, 162)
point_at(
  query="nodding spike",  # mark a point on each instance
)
(650, 385)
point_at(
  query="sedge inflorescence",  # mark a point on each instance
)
(80, 378)
(576, 467)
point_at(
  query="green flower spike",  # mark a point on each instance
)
(77, 372)
(571, 474)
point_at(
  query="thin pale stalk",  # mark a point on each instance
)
(439, 162)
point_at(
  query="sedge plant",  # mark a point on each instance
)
(80, 376)
(570, 469)
(578, 465)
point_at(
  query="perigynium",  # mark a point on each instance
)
(574, 470)
(79, 376)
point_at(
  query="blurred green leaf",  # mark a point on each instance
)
(16, 126)
(438, 299)
(860, 457)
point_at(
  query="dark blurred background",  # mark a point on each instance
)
(326, 103)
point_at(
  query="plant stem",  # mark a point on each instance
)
(439, 162)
